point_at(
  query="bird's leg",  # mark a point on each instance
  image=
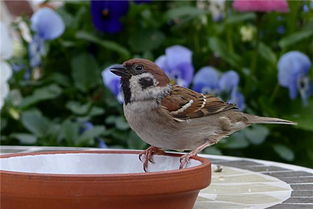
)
(147, 156)
(184, 160)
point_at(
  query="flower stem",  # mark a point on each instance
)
(276, 89)
(257, 41)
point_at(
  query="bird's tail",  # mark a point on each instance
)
(268, 120)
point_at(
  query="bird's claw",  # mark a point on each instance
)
(184, 160)
(147, 156)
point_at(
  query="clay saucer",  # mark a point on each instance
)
(99, 179)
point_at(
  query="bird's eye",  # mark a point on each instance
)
(139, 67)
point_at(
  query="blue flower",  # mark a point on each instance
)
(177, 64)
(142, 1)
(47, 24)
(293, 68)
(206, 81)
(237, 98)
(112, 82)
(229, 81)
(86, 126)
(209, 81)
(102, 144)
(36, 49)
(106, 15)
(281, 29)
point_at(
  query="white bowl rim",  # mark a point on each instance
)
(204, 163)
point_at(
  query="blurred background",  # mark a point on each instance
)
(56, 91)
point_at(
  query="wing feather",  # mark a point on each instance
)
(183, 103)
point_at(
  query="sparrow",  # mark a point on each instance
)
(170, 117)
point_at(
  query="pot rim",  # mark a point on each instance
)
(205, 163)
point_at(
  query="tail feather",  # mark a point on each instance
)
(269, 120)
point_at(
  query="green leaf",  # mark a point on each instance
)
(70, 131)
(45, 93)
(256, 134)
(146, 40)
(110, 45)
(96, 111)
(267, 53)
(15, 97)
(302, 114)
(295, 38)
(284, 152)
(89, 135)
(85, 72)
(25, 138)
(236, 141)
(35, 122)
(220, 48)
(77, 108)
(134, 142)
(212, 151)
(239, 18)
(119, 122)
(184, 11)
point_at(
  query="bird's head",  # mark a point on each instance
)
(141, 79)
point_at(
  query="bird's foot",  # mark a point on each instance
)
(147, 156)
(184, 160)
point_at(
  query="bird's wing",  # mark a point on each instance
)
(183, 103)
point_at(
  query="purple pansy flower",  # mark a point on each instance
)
(86, 126)
(228, 85)
(112, 82)
(293, 68)
(101, 143)
(209, 81)
(237, 98)
(36, 49)
(106, 15)
(229, 81)
(177, 64)
(142, 1)
(206, 81)
(47, 25)
(281, 29)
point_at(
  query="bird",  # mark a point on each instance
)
(170, 117)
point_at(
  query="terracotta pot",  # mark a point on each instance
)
(99, 179)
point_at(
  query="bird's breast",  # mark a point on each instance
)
(157, 128)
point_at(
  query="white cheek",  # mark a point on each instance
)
(152, 92)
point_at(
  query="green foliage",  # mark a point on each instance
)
(52, 108)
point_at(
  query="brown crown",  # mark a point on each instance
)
(150, 67)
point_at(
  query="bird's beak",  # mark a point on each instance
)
(119, 70)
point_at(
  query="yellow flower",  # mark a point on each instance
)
(247, 33)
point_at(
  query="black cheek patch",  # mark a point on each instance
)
(146, 82)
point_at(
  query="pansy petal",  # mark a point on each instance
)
(47, 24)
(184, 73)
(176, 55)
(106, 15)
(291, 64)
(4, 90)
(229, 81)
(111, 81)
(293, 91)
(5, 71)
(238, 99)
(6, 45)
(206, 78)
(102, 144)
(161, 61)
(114, 26)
